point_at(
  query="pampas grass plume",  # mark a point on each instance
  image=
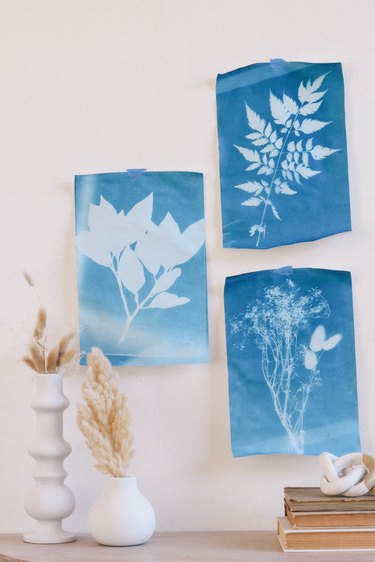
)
(104, 419)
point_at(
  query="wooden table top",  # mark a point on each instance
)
(231, 546)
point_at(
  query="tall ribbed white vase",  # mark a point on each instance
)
(49, 500)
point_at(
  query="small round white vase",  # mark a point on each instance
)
(121, 515)
(49, 500)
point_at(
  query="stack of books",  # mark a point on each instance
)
(314, 521)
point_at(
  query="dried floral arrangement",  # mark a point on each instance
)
(104, 419)
(39, 358)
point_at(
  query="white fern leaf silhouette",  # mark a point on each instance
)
(284, 189)
(251, 156)
(318, 82)
(251, 187)
(279, 156)
(309, 126)
(320, 152)
(167, 300)
(310, 108)
(255, 122)
(279, 111)
(305, 172)
(290, 105)
(276, 214)
(309, 92)
(252, 202)
(256, 228)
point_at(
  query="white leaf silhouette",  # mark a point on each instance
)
(312, 125)
(318, 339)
(147, 249)
(131, 271)
(192, 239)
(254, 229)
(308, 93)
(311, 360)
(320, 152)
(260, 142)
(250, 155)
(165, 245)
(290, 104)
(250, 186)
(318, 82)
(316, 96)
(101, 216)
(265, 170)
(291, 146)
(310, 108)
(279, 143)
(267, 148)
(302, 93)
(253, 166)
(305, 172)
(252, 202)
(91, 245)
(167, 300)
(255, 122)
(332, 342)
(254, 136)
(104, 222)
(138, 219)
(274, 210)
(278, 110)
(309, 144)
(286, 190)
(166, 280)
(268, 130)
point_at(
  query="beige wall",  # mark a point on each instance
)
(94, 86)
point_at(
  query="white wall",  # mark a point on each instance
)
(92, 86)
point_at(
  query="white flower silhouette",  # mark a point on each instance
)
(141, 255)
(276, 323)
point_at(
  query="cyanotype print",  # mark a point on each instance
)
(291, 362)
(141, 266)
(283, 160)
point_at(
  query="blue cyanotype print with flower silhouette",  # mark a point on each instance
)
(291, 362)
(141, 266)
(283, 157)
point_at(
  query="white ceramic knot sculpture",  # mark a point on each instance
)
(349, 475)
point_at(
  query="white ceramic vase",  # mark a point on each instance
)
(49, 500)
(122, 516)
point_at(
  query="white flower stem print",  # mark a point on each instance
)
(284, 150)
(141, 255)
(289, 367)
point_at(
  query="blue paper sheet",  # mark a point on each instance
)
(283, 157)
(291, 362)
(141, 266)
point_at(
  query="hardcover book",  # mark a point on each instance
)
(330, 519)
(310, 539)
(313, 499)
